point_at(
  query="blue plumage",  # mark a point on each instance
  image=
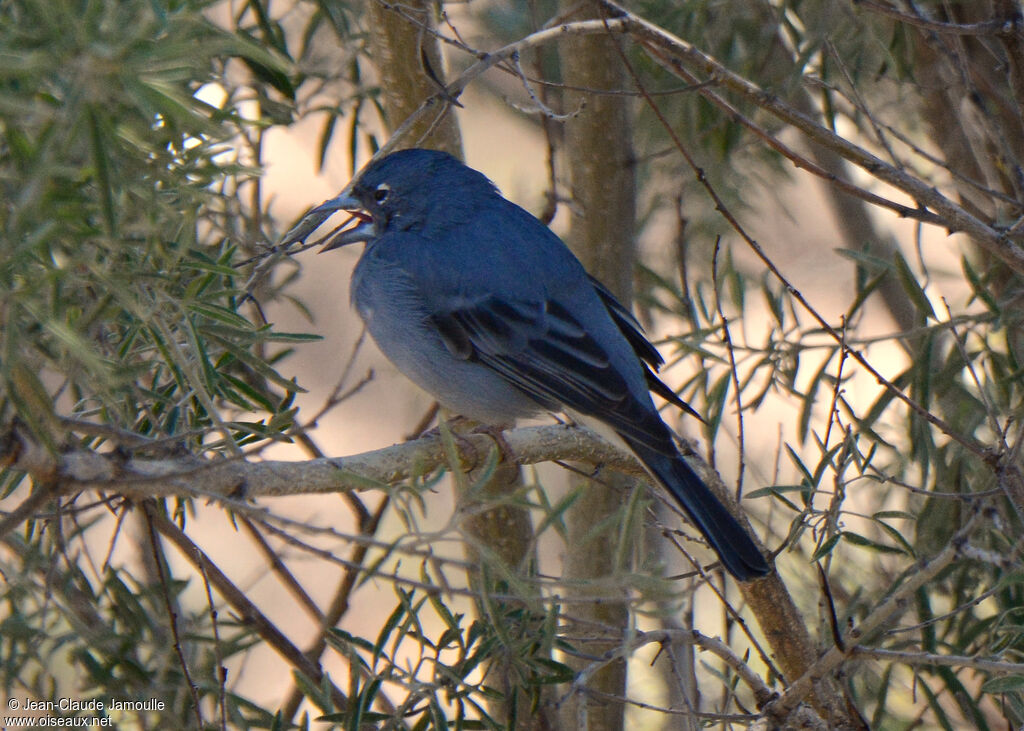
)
(482, 306)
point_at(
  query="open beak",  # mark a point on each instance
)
(363, 231)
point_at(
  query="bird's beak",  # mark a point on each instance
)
(363, 231)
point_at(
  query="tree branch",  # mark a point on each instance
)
(677, 54)
(138, 477)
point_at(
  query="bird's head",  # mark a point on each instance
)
(407, 190)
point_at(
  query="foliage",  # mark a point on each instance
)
(124, 216)
(122, 223)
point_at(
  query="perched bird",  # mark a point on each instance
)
(482, 306)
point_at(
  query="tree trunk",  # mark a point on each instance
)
(600, 166)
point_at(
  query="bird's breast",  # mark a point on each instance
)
(391, 302)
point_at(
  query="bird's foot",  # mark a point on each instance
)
(457, 425)
(460, 427)
(497, 433)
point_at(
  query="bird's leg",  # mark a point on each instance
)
(456, 424)
(459, 426)
(497, 433)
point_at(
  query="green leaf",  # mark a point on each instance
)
(287, 337)
(979, 288)
(810, 398)
(325, 137)
(869, 261)
(883, 514)
(913, 288)
(716, 398)
(859, 540)
(862, 295)
(808, 476)
(776, 490)
(826, 548)
(555, 672)
(344, 641)
(256, 363)
(898, 537)
(222, 315)
(390, 624)
(101, 161)
(1005, 684)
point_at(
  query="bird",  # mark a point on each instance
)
(485, 308)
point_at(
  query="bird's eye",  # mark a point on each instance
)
(381, 194)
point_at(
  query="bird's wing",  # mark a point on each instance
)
(645, 351)
(629, 326)
(543, 350)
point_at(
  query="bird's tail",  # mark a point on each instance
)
(734, 546)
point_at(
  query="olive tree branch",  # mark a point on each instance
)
(140, 477)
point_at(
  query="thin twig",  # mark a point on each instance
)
(221, 671)
(674, 53)
(762, 693)
(898, 601)
(159, 561)
(249, 614)
(720, 205)
(734, 372)
(984, 28)
(43, 493)
(338, 608)
(996, 667)
(281, 571)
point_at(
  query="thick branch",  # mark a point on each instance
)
(405, 59)
(886, 613)
(138, 477)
